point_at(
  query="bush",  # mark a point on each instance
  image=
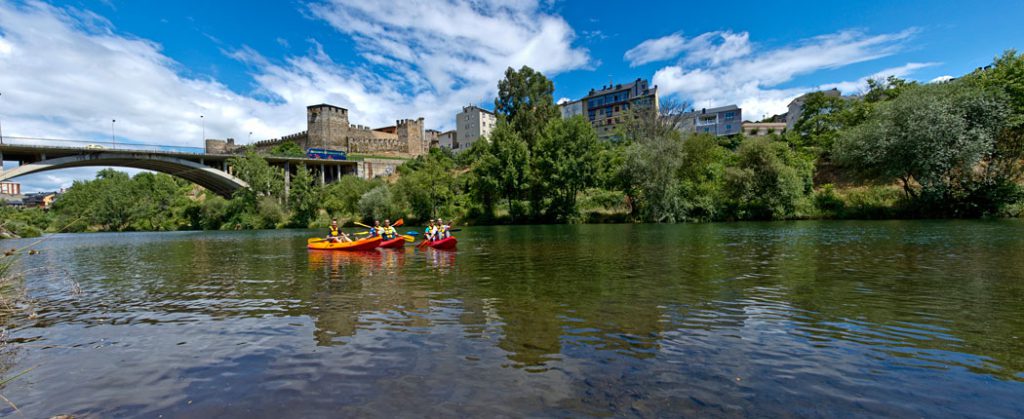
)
(377, 204)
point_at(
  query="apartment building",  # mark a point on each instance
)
(721, 121)
(448, 139)
(570, 109)
(605, 108)
(471, 124)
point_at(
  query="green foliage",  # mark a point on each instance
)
(649, 181)
(287, 149)
(701, 173)
(342, 197)
(304, 198)
(263, 179)
(427, 187)
(377, 204)
(933, 139)
(512, 169)
(565, 161)
(767, 181)
(526, 103)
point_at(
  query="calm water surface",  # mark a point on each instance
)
(751, 319)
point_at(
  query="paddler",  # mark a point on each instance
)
(388, 232)
(335, 234)
(376, 229)
(443, 230)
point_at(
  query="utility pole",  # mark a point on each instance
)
(113, 140)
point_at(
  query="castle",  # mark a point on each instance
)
(327, 126)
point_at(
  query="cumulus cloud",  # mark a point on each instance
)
(720, 68)
(67, 72)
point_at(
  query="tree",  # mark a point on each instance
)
(287, 149)
(377, 204)
(565, 161)
(700, 176)
(342, 197)
(939, 141)
(263, 179)
(512, 168)
(526, 103)
(649, 177)
(766, 182)
(305, 197)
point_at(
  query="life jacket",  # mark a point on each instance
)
(335, 232)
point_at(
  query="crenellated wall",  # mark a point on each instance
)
(328, 127)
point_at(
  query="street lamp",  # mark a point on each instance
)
(250, 137)
(113, 140)
(203, 120)
(1, 136)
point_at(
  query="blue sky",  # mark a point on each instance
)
(70, 67)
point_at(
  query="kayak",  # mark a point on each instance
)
(395, 243)
(362, 244)
(446, 243)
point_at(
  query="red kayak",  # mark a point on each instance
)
(446, 243)
(395, 243)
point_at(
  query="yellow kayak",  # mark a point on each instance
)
(362, 244)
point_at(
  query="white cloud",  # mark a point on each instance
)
(710, 47)
(67, 73)
(730, 70)
(941, 79)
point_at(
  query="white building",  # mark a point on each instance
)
(448, 139)
(571, 108)
(471, 124)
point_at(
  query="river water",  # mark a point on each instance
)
(894, 318)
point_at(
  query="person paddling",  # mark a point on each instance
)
(388, 232)
(376, 229)
(443, 230)
(335, 234)
(428, 233)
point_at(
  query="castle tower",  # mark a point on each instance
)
(411, 136)
(327, 127)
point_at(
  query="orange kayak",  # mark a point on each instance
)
(363, 244)
(446, 243)
(395, 243)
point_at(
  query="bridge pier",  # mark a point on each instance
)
(287, 181)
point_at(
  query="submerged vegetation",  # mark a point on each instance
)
(900, 150)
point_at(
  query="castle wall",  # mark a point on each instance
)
(328, 127)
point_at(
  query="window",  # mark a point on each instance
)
(728, 127)
(730, 115)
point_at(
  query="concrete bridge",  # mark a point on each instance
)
(211, 171)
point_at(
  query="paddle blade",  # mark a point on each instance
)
(361, 233)
(409, 239)
(412, 233)
(314, 240)
(398, 223)
(361, 224)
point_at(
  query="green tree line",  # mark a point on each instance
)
(900, 149)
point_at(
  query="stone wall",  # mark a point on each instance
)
(328, 127)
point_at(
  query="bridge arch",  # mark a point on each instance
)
(217, 181)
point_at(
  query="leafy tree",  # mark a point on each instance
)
(936, 140)
(700, 175)
(377, 204)
(649, 178)
(565, 161)
(512, 169)
(342, 197)
(428, 186)
(526, 103)
(766, 182)
(305, 197)
(263, 179)
(287, 149)
(888, 89)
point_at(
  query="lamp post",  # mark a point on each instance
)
(113, 140)
(202, 119)
(250, 137)
(1, 137)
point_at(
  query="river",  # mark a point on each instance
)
(836, 318)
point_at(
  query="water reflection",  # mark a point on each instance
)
(815, 318)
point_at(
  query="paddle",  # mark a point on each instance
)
(361, 224)
(409, 239)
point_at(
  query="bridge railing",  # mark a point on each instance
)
(99, 145)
